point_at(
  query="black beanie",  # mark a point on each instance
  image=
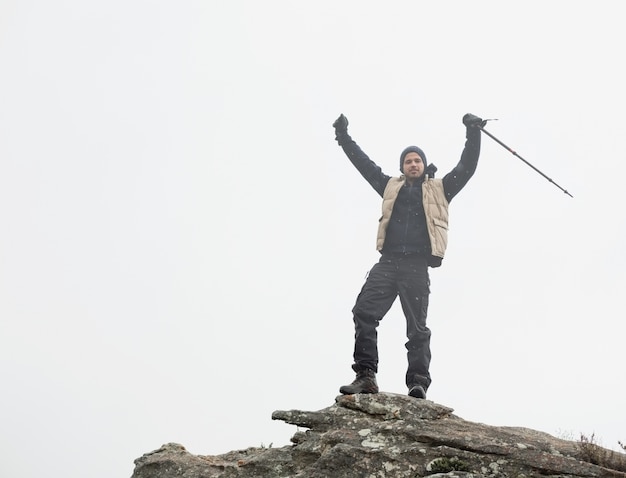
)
(412, 149)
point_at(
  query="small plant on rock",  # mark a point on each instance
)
(446, 465)
(592, 452)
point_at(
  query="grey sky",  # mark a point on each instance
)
(182, 239)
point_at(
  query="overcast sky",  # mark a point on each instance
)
(183, 240)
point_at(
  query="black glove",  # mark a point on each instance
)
(341, 125)
(473, 121)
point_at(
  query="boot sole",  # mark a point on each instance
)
(417, 393)
(347, 391)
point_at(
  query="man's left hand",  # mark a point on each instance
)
(473, 121)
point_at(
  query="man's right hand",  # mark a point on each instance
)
(341, 124)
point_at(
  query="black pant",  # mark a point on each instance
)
(393, 275)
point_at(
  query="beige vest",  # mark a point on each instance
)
(435, 210)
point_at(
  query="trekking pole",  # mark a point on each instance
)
(515, 154)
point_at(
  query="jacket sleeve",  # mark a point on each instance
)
(456, 179)
(368, 169)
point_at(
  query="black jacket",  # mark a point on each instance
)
(407, 232)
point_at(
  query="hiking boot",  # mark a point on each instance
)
(365, 382)
(417, 391)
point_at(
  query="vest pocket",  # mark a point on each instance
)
(440, 223)
(439, 237)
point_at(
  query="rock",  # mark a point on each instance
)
(392, 436)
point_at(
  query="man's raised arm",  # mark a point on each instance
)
(368, 169)
(456, 179)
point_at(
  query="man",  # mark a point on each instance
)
(412, 235)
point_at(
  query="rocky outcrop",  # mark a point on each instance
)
(389, 435)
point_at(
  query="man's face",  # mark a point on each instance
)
(413, 167)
